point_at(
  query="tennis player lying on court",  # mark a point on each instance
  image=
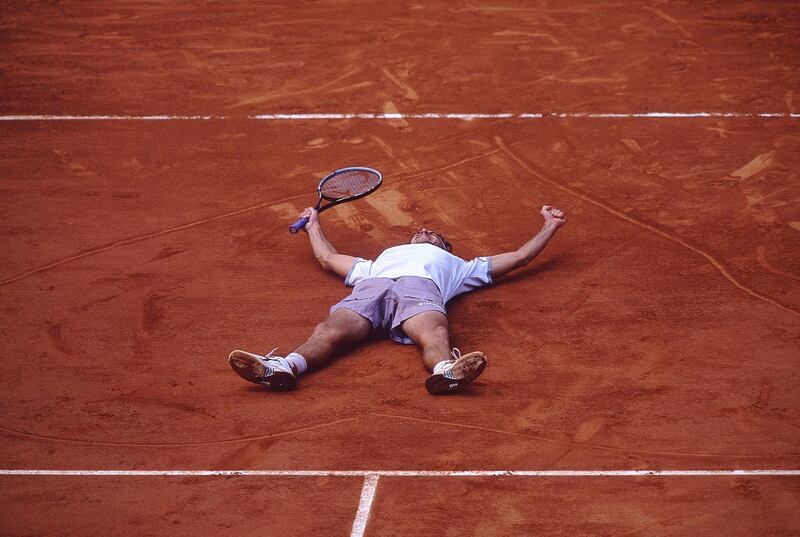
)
(403, 293)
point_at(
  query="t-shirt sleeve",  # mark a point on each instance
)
(359, 271)
(476, 273)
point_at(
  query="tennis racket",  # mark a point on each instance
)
(346, 184)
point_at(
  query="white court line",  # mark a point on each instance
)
(401, 473)
(396, 116)
(371, 478)
(364, 505)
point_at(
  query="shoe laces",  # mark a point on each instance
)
(456, 354)
(278, 362)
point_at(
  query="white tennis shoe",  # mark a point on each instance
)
(456, 373)
(274, 372)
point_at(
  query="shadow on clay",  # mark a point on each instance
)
(532, 270)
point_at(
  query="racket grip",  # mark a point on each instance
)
(297, 226)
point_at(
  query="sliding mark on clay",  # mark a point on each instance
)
(147, 236)
(717, 264)
(86, 442)
(575, 444)
(761, 256)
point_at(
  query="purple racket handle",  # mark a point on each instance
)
(297, 226)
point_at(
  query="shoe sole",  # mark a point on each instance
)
(249, 367)
(465, 370)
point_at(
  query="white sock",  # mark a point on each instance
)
(442, 366)
(298, 362)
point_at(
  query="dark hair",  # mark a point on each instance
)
(447, 245)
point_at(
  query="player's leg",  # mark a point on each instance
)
(431, 332)
(343, 327)
(451, 371)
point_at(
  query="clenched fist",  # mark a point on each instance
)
(553, 216)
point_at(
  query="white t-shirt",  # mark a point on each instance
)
(451, 274)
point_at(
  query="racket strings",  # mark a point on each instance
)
(349, 183)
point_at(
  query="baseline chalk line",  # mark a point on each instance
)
(401, 473)
(396, 116)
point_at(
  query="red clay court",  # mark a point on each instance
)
(643, 375)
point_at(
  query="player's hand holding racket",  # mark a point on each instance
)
(310, 214)
(346, 184)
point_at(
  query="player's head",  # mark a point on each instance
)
(431, 237)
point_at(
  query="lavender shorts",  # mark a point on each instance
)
(387, 302)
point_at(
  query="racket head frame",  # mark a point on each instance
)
(332, 202)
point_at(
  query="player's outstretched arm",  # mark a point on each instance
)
(325, 253)
(504, 263)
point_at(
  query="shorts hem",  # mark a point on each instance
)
(397, 333)
(340, 306)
